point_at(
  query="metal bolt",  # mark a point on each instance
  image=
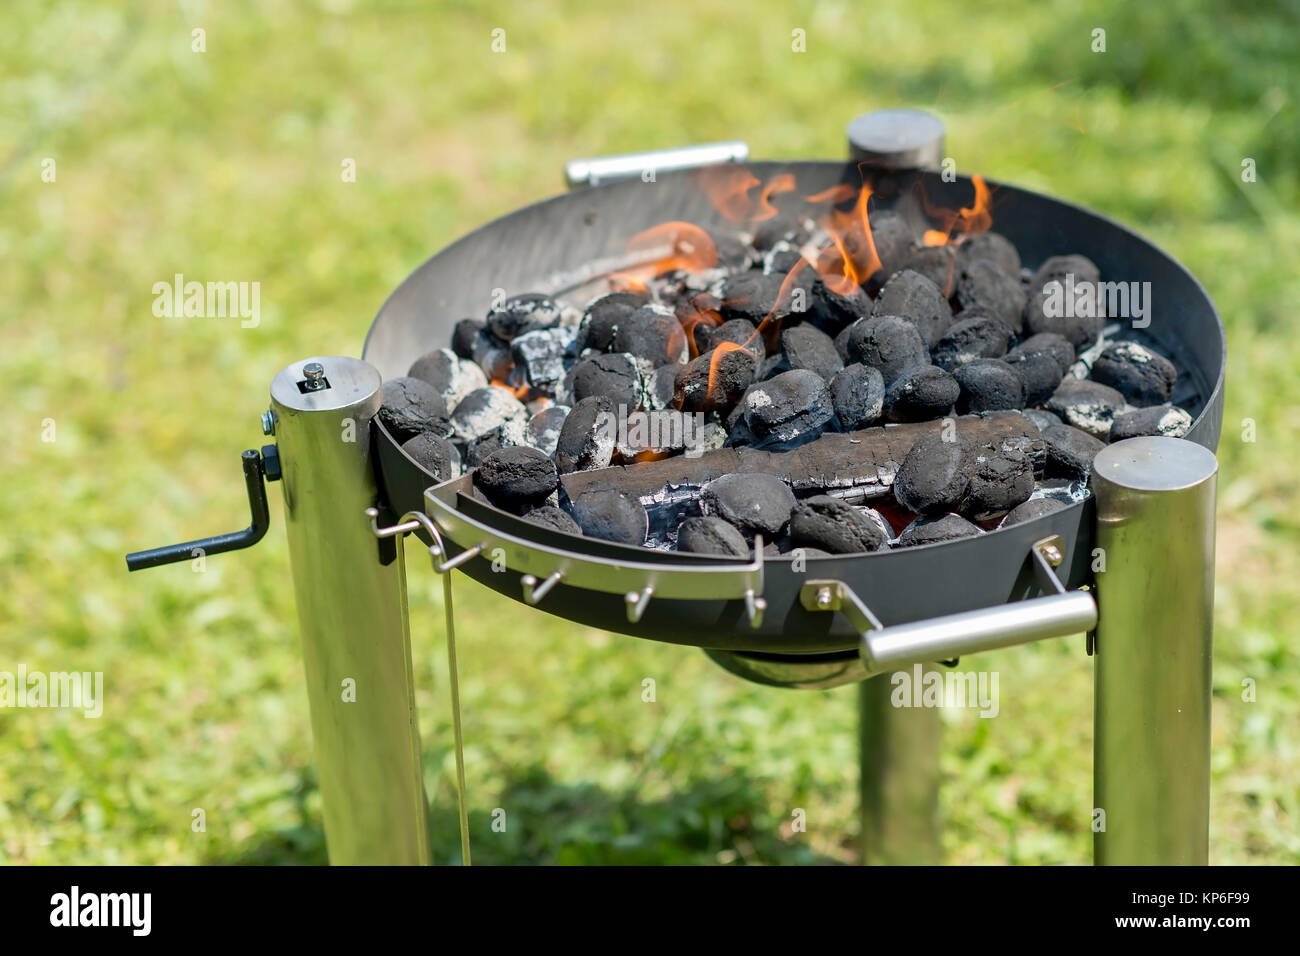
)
(268, 422)
(823, 597)
(314, 373)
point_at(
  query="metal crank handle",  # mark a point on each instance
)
(1059, 614)
(595, 170)
(256, 467)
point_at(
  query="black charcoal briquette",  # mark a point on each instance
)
(834, 526)
(751, 503)
(934, 474)
(708, 535)
(858, 394)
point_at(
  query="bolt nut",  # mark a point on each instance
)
(268, 422)
(313, 371)
(823, 597)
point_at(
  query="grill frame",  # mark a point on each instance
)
(518, 252)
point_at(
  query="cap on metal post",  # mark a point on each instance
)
(896, 139)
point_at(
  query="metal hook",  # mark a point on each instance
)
(636, 603)
(754, 607)
(533, 592)
(469, 554)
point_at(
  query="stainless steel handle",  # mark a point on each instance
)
(1059, 614)
(595, 170)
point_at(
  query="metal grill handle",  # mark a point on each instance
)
(1059, 614)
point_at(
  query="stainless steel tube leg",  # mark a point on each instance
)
(352, 614)
(899, 756)
(1151, 711)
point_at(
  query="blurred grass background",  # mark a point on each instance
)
(226, 165)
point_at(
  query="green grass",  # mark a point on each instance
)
(226, 165)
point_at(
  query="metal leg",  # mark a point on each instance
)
(1151, 760)
(899, 755)
(352, 613)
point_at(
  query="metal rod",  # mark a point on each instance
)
(352, 614)
(1151, 710)
(453, 678)
(595, 170)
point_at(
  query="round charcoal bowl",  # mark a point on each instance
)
(565, 245)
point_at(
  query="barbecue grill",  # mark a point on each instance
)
(352, 495)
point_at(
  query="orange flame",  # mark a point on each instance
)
(713, 395)
(520, 393)
(668, 247)
(784, 183)
(857, 261)
(977, 217)
(697, 316)
(727, 187)
(840, 192)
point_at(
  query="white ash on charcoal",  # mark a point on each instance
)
(733, 252)
(973, 336)
(464, 335)
(1068, 491)
(487, 410)
(1070, 452)
(912, 296)
(527, 312)
(411, 406)
(716, 380)
(807, 347)
(1046, 308)
(935, 530)
(858, 395)
(1141, 375)
(549, 516)
(710, 535)
(661, 388)
(1082, 367)
(858, 466)
(543, 357)
(435, 454)
(1000, 481)
(614, 375)
(991, 247)
(1033, 508)
(924, 393)
(983, 286)
(888, 343)
(543, 431)
(988, 385)
(453, 376)
(938, 264)
(1041, 361)
(1166, 420)
(586, 438)
(829, 524)
(933, 477)
(783, 228)
(611, 515)
(781, 259)
(517, 479)
(1086, 405)
(601, 319)
(752, 504)
(788, 409)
